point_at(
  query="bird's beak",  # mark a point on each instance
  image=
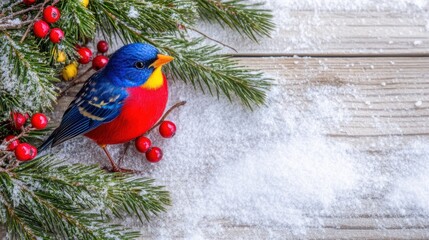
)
(161, 60)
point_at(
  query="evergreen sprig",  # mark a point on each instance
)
(26, 78)
(201, 66)
(128, 20)
(78, 20)
(248, 19)
(46, 199)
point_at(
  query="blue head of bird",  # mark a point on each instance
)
(133, 64)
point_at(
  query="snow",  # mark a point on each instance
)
(417, 42)
(133, 13)
(274, 171)
(418, 103)
(411, 188)
(271, 168)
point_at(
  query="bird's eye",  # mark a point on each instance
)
(139, 65)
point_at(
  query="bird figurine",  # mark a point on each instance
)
(118, 103)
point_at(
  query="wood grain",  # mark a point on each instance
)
(361, 32)
(382, 96)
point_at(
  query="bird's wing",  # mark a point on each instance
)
(96, 103)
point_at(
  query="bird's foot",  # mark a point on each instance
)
(121, 170)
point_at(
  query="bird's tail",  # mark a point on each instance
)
(47, 143)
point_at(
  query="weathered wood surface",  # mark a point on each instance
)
(385, 98)
(315, 31)
(391, 95)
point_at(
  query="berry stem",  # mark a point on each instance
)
(22, 134)
(165, 115)
(7, 154)
(127, 145)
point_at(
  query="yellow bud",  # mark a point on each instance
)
(85, 2)
(69, 72)
(61, 57)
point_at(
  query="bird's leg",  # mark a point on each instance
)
(115, 168)
(127, 145)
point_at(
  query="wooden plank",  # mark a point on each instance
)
(252, 232)
(312, 30)
(382, 96)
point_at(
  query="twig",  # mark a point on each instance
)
(5, 144)
(22, 134)
(22, 11)
(14, 26)
(37, 15)
(127, 145)
(212, 39)
(10, 7)
(165, 115)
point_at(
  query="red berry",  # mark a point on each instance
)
(167, 129)
(25, 152)
(18, 120)
(143, 144)
(39, 121)
(56, 35)
(12, 145)
(85, 55)
(99, 62)
(51, 14)
(28, 2)
(102, 46)
(41, 29)
(154, 154)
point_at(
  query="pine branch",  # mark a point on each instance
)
(247, 19)
(77, 20)
(201, 66)
(46, 199)
(127, 19)
(26, 79)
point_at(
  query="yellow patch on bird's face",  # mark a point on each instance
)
(155, 81)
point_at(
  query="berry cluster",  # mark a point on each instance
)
(85, 56)
(143, 144)
(24, 151)
(41, 28)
